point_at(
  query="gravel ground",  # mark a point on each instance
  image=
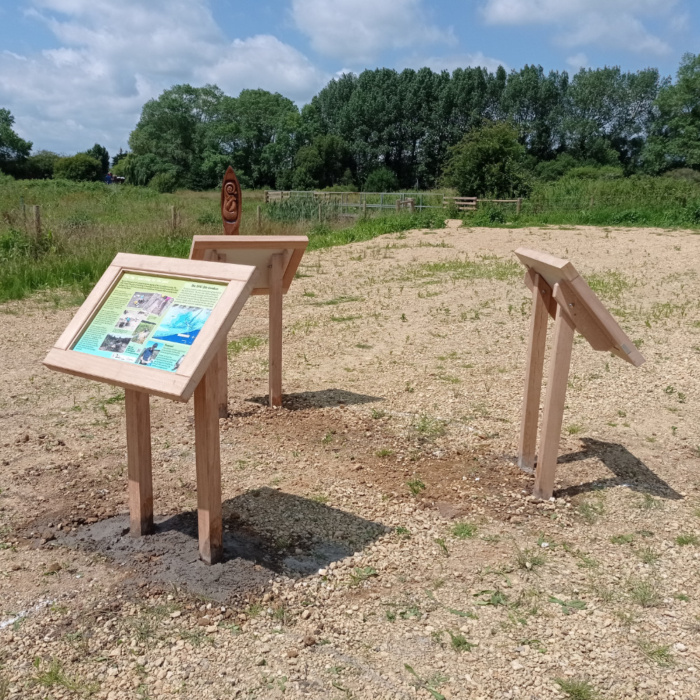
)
(380, 542)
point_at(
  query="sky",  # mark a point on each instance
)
(77, 72)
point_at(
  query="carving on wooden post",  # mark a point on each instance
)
(231, 203)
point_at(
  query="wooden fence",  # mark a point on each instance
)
(362, 201)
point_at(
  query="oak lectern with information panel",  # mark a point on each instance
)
(154, 325)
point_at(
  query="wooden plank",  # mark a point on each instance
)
(275, 330)
(138, 449)
(586, 323)
(529, 280)
(620, 340)
(169, 385)
(154, 265)
(541, 298)
(208, 461)
(554, 405)
(551, 268)
(89, 307)
(221, 361)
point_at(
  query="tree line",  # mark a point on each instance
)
(480, 131)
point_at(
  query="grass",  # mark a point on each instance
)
(250, 342)
(84, 225)
(622, 539)
(54, 675)
(529, 559)
(648, 555)
(568, 606)
(489, 267)
(645, 592)
(459, 642)
(576, 689)
(428, 427)
(415, 486)
(590, 511)
(464, 530)
(688, 539)
(360, 575)
(660, 654)
(648, 502)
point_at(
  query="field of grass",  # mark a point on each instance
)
(85, 225)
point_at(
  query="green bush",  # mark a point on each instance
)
(381, 180)
(79, 168)
(164, 182)
(489, 162)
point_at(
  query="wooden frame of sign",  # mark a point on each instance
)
(276, 259)
(560, 292)
(177, 315)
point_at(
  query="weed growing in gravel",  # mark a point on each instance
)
(319, 497)
(495, 598)
(429, 427)
(689, 539)
(403, 532)
(645, 592)
(384, 452)
(459, 642)
(360, 575)
(254, 609)
(430, 684)
(660, 654)
(574, 429)
(577, 689)
(590, 511)
(622, 539)
(443, 547)
(196, 637)
(54, 675)
(250, 342)
(463, 531)
(415, 486)
(648, 555)
(528, 559)
(4, 688)
(648, 502)
(568, 606)
(376, 414)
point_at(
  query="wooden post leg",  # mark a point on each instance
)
(138, 449)
(554, 405)
(276, 271)
(208, 460)
(541, 294)
(221, 361)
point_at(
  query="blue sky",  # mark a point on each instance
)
(76, 72)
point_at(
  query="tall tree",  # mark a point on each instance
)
(13, 149)
(675, 138)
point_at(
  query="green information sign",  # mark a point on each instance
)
(150, 320)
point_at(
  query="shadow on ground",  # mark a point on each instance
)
(627, 468)
(319, 399)
(265, 531)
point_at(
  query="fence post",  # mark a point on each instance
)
(519, 206)
(364, 205)
(37, 219)
(411, 205)
(257, 215)
(398, 206)
(24, 213)
(173, 217)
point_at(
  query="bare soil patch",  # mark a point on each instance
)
(380, 542)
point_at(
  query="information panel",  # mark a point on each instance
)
(150, 320)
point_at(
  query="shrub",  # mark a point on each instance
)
(164, 182)
(79, 168)
(489, 162)
(381, 180)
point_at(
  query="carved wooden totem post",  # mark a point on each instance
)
(231, 203)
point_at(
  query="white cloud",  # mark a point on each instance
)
(464, 60)
(357, 31)
(114, 56)
(577, 61)
(608, 23)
